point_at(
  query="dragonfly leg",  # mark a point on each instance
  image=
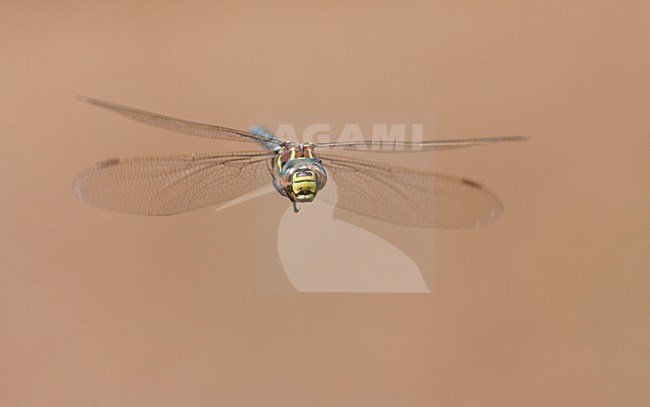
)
(295, 208)
(276, 185)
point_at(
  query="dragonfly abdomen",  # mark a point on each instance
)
(271, 142)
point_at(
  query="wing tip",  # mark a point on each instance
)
(517, 137)
(86, 99)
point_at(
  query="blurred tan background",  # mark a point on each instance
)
(547, 307)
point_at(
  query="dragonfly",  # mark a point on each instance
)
(173, 184)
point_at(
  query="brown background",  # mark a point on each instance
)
(547, 307)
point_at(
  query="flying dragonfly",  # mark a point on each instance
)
(167, 185)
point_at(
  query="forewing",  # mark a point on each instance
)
(407, 146)
(168, 185)
(179, 125)
(408, 197)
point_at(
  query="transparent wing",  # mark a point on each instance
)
(408, 197)
(168, 185)
(405, 146)
(179, 125)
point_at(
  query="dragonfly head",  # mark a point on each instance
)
(302, 180)
(303, 185)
